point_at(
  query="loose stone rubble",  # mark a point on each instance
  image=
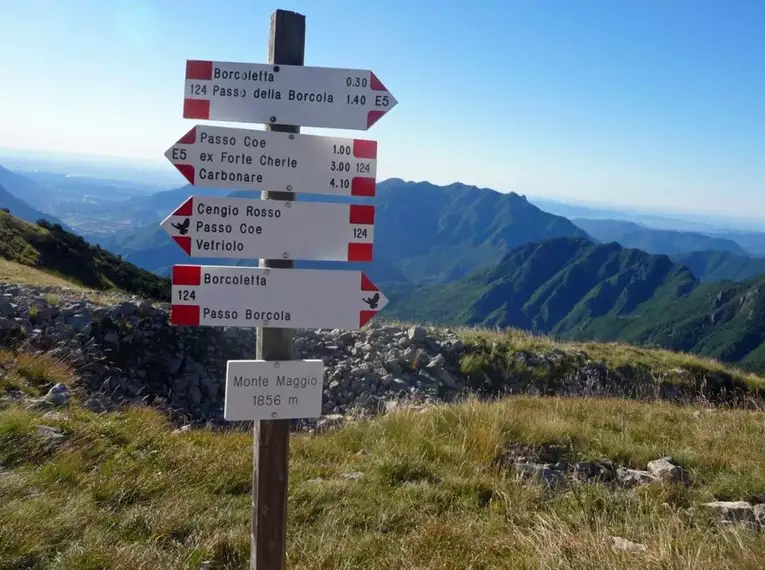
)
(124, 350)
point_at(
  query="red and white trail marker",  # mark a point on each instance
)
(328, 97)
(247, 159)
(243, 228)
(215, 295)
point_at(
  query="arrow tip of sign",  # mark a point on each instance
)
(185, 209)
(375, 84)
(187, 170)
(188, 138)
(365, 317)
(373, 117)
(184, 242)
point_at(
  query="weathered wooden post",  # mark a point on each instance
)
(286, 46)
(274, 297)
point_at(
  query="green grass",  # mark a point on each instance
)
(32, 373)
(44, 254)
(121, 491)
(493, 353)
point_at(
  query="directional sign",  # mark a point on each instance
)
(230, 296)
(273, 389)
(246, 159)
(243, 228)
(284, 94)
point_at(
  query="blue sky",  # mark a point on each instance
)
(657, 103)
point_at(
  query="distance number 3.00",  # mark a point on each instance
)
(266, 400)
(339, 166)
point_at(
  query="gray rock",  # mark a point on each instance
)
(594, 471)
(7, 310)
(634, 477)
(539, 472)
(418, 334)
(58, 395)
(80, 321)
(667, 469)
(352, 475)
(732, 511)
(620, 543)
(387, 379)
(393, 367)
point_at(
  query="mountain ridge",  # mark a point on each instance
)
(21, 209)
(52, 249)
(662, 241)
(471, 228)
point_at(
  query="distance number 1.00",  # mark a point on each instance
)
(266, 400)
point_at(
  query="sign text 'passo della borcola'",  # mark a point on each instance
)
(284, 94)
(273, 389)
(243, 228)
(246, 159)
(230, 296)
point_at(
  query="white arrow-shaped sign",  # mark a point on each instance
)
(214, 295)
(284, 94)
(243, 228)
(246, 159)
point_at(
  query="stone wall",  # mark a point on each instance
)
(125, 350)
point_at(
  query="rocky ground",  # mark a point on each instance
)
(123, 349)
(550, 465)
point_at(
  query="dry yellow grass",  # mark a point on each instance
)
(121, 491)
(12, 272)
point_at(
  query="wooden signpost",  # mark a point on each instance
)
(273, 388)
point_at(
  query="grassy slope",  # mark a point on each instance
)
(54, 256)
(710, 265)
(14, 272)
(123, 492)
